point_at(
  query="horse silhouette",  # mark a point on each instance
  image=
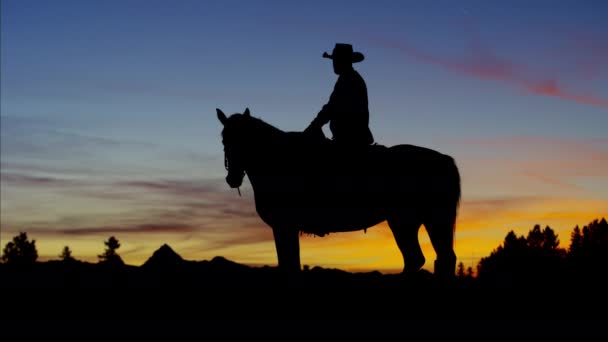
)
(314, 186)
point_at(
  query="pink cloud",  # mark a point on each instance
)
(482, 63)
(148, 228)
(572, 167)
(550, 88)
(553, 181)
(589, 149)
(26, 180)
(591, 64)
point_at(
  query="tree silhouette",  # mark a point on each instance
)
(460, 270)
(66, 254)
(110, 256)
(545, 239)
(535, 257)
(595, 239)
(464, 273)
(588, 252)
(20, 251)
(576, 242)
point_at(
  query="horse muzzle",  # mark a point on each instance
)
(234, 181)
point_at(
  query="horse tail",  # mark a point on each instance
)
(451, 188)
(454, 188)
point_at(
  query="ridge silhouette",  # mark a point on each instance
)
(560, 293)
(164, 257)
(306, 185)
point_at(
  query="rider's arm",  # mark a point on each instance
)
(336, 100)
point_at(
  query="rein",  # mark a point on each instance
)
(226, 166)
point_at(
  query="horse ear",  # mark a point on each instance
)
(246, 113)
(221, 116)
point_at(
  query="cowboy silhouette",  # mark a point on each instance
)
(347, 109)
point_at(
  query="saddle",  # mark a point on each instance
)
(337, 160)
(317, 141)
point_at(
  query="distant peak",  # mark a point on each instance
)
(165, 247)
(223, 262)
(163, 257)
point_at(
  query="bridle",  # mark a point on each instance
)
(227, 167)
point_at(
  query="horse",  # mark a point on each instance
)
(304, 185)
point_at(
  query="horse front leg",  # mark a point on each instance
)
(287, 243)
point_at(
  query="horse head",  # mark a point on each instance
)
(234, 146)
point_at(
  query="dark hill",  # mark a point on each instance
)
(220, 297)
(164, 258)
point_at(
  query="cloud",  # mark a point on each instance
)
(196, 198)
(491, 215)
(202, 209)
(592, 149)
(14, 127)
(551, 88)
(238, 238)
(591, 64)
(188, 188)
(564, 166)
(553, 181)
(35, 181)
(482, 63)
(37, 166)
(496, 204)
(168, 227)
(479, 212)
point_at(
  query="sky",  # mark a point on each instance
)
(108, 121)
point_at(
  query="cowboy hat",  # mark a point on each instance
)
(344, 52)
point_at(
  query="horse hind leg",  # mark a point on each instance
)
(287, 244)
(441, 234)
(405, 232)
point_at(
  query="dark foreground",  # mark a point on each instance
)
(222, 298)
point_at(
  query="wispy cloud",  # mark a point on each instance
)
(593, 149)
(41, 167)
(481, 62)
(535, 163)
(495, 204)
(484, 211)
(187, 188)
(553, 181)
(164, 228)
(15, 127)
(594, 61)
(16, 179)
(203, 209)
(239, 238)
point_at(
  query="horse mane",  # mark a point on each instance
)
(245, 127)
(264, 127)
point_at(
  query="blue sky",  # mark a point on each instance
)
(109, 127)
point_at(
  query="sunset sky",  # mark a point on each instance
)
(108, 123)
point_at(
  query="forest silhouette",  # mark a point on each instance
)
(527, 286)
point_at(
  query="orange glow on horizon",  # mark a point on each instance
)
(476, 235)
